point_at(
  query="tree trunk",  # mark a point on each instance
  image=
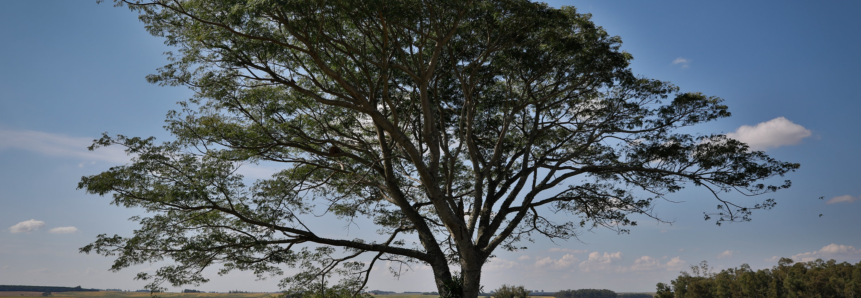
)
(471, 272)
(441, 274)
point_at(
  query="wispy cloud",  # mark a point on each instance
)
(26, 226)
(647, 263)
(831, 251)
(567, 262)
(685, 63)
(500, 264)
(726, 254)
(59, 145)
(771, 134)
(63, 230)
(567, 250)
(842, 199)
(601, 262)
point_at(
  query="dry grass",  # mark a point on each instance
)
(19, 294)
(112, 294)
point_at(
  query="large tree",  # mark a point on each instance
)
(454, 126)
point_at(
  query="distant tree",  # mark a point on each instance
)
(788, 279)
(454, 126)
(510, 291)
(664, 291)
(585, 293)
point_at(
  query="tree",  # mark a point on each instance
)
(511, 291)
(461, 123)
(805, 279)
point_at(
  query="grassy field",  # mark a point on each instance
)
(110, 294)
(19, 294)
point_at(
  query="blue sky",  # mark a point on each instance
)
(70, 70)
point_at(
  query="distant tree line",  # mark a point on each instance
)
(585, 293)
(803, 279)
(14, 288)
(594, 293)
(192, 291)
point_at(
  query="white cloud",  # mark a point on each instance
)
(842, 199)
(684, 62)
(599, 262)
(831, 251)
(726, 254)
(567, 250)
(771, 134)
(675, 264)
(27, 226)
(773, 259)
(59, 146)
(63, 230)
(499, 264)
(566, 262)
(524, 258)
(647, 263)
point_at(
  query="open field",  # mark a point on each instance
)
(19, 294)
(112, 294)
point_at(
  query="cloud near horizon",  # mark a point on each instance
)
(599, 262)
(842, 199)
(567, 250)
(831, 251)
(771, 134)
(63, 230)
(647, 263)
(726, 254)
(26, 226)
(568, 261)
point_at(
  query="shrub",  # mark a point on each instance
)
(507, 291)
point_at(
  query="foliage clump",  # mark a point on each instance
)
(788, 279)
(511, 291)
(454, 127)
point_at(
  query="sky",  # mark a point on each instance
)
(788, 70)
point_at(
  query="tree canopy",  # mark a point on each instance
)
(461, 123)
(816, 278)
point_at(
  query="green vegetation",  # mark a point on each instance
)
(453, 124)
(593, 293)
(507, 291)
(804, 279)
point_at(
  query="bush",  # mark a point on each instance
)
(507, 291)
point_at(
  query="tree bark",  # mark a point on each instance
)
(471, 271)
